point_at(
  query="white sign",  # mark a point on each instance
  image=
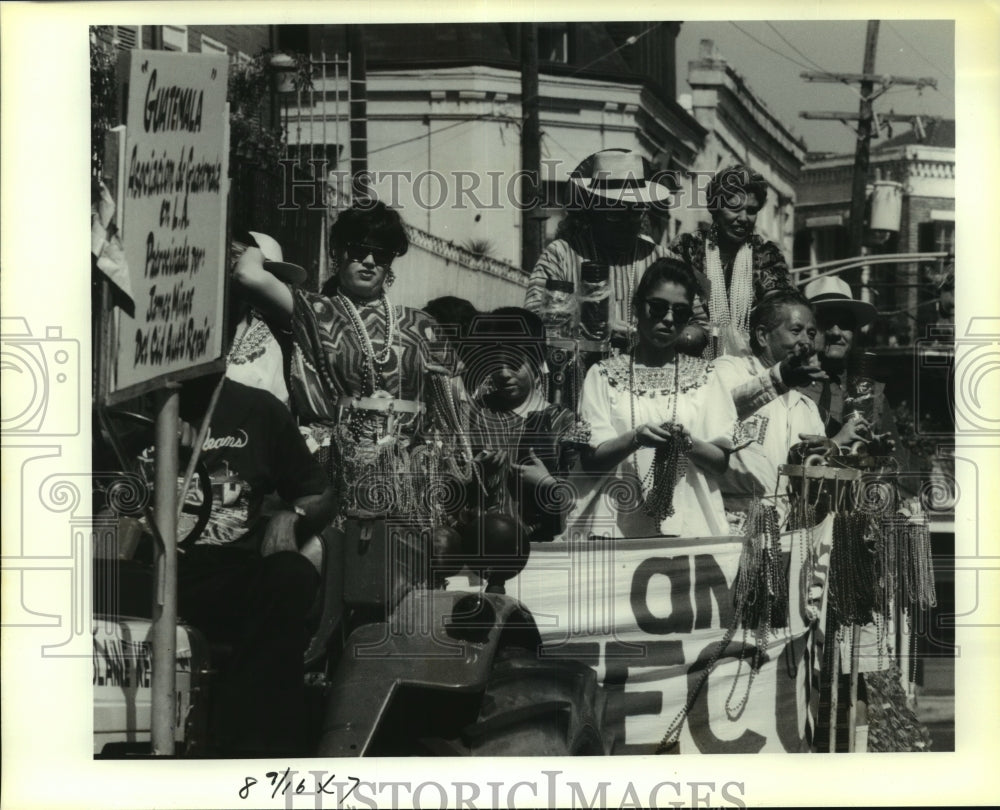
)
(175, 191)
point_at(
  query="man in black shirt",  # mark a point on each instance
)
(243, 581)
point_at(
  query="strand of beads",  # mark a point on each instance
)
(669, 465)
(370, 358)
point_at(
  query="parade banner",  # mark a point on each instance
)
(652, 615)
(174, 217)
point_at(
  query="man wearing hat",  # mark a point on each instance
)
(839, 315)
(257, 357)
(600, 253)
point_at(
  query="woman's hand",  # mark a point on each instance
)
(265, 291)
(657, 435)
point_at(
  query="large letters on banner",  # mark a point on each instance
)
(176, 184)
(651, 615)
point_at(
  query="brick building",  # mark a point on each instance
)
(923, 162)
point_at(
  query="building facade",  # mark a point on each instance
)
(444, 111)
(922, 162)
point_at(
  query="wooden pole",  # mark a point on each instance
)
(531, 236)
(862, 152)
(852, 712)
(164, 633)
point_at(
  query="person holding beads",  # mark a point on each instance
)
(658, 443)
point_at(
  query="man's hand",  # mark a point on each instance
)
(279, 534)
(798, 373)
(855, 429)
(534, 473)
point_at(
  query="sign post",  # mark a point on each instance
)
(173, 204)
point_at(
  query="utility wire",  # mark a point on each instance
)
(627, 43)
(763, 44)
(816, 65)
(927, 60)
(919, 53)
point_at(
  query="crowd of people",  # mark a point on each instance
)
(710, 368)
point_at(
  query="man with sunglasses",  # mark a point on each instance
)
(839, 316)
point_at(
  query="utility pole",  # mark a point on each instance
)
(861, 153)
(866, 118)
(531, 236)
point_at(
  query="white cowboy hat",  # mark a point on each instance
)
(831, 292)
(274, 260)
(619, 175)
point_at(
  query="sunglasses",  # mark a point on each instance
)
(359, 251)
(657, 309)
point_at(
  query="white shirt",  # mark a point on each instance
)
(753, 471)
(612, 505)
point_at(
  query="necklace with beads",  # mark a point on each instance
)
(252, 342)
(370, 358)
(730, 308)
(669, 460)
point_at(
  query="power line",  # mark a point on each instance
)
(790, 45)
(772, 50)
(628, 42)
(920, 53)
(429, 134)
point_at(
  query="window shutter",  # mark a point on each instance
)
(128, 37)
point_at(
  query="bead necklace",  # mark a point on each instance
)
(760, 602)
(371, 360)
(669, 461)
(730, 307)
(252, 343)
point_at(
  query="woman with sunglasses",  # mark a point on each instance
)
(657, 440)
(739, 265)
(358, 363)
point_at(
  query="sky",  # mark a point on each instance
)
(913, 48)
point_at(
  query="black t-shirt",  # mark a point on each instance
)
(253, 450)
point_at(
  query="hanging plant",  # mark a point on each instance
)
(103, 81)
(250, 91)
(251, 84)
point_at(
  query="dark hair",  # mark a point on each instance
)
(450, 310)
(370, 222)
(737, 179)
(510, 332)
(768, 312)
(663, 270)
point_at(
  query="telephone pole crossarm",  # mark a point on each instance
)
(861, 78)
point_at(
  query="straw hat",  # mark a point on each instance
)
(274, 260)
(831, 292)
(619, 175)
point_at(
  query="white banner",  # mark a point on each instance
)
(649, 615)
